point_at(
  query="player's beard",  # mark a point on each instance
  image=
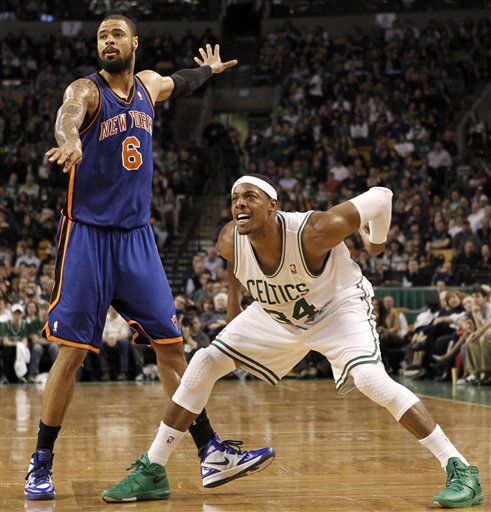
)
(118, 65)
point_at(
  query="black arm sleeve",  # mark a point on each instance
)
(188, 80)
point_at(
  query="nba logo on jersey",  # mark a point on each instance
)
(140, 97)
(293, 268)
(174, 321)
(55, 326)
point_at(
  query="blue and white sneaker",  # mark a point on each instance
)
(223, 461)
(39, 485)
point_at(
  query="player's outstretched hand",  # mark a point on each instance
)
(66, 155)
(211, 57)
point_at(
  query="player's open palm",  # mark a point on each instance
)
(211, 57)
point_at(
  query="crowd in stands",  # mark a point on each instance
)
(33, 10)
(453, 332)
(323, 8)
(139, 10)
(380, 108)
(143, 10)
(149, 10)
(376, 108)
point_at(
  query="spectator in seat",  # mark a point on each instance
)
(444, 325)
(439, 238)
(484, 231)
(444, 273)
(484, 262)
(39, 345)
(414, 276)
(191, 275)
(15, 351)
(389, 330)
(214, 321)
(478, 209)
(193, 334)
(203, 289)
(466, 233)
(213, 262)
(5, 313)
(444, 363)
(439, 163)
(213, 133)
(465, 263)
(478, 344)
(116, 335)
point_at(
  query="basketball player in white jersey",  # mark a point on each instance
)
(309, 295)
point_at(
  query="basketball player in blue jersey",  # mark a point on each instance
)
(309, 295)
(106, 251)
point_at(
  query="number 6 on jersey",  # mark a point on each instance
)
(131, 157)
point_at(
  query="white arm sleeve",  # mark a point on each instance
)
(375, 208)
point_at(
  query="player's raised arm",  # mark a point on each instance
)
(328, 229)
(81, 97)
(186, 81)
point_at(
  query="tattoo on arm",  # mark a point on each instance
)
(81, 97)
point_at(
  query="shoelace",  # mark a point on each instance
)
(453, 481)
(40, 472)
(136, 466)
(232, 446)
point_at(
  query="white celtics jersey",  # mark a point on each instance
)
(293, 295)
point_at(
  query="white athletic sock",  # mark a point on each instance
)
(440, 446)
(164, 444)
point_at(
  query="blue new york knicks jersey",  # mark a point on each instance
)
(112, 185)
(106, 252)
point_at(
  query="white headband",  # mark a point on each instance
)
(257, 182)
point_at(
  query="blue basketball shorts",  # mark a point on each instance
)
(98, 267)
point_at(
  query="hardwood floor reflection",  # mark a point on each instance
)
(333, 453)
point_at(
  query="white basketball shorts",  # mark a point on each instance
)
(345, 333)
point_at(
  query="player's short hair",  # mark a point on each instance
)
(128, 21)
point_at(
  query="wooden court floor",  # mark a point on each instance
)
(338, 454)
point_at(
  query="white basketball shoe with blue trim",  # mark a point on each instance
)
(39, 485)
(223, 461)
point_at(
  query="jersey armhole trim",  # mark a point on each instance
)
(283, 246)
(145, 90)
(236, 250)
(91, 120)
(300, 247)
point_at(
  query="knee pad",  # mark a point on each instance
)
(372, 380)
(205, 368)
